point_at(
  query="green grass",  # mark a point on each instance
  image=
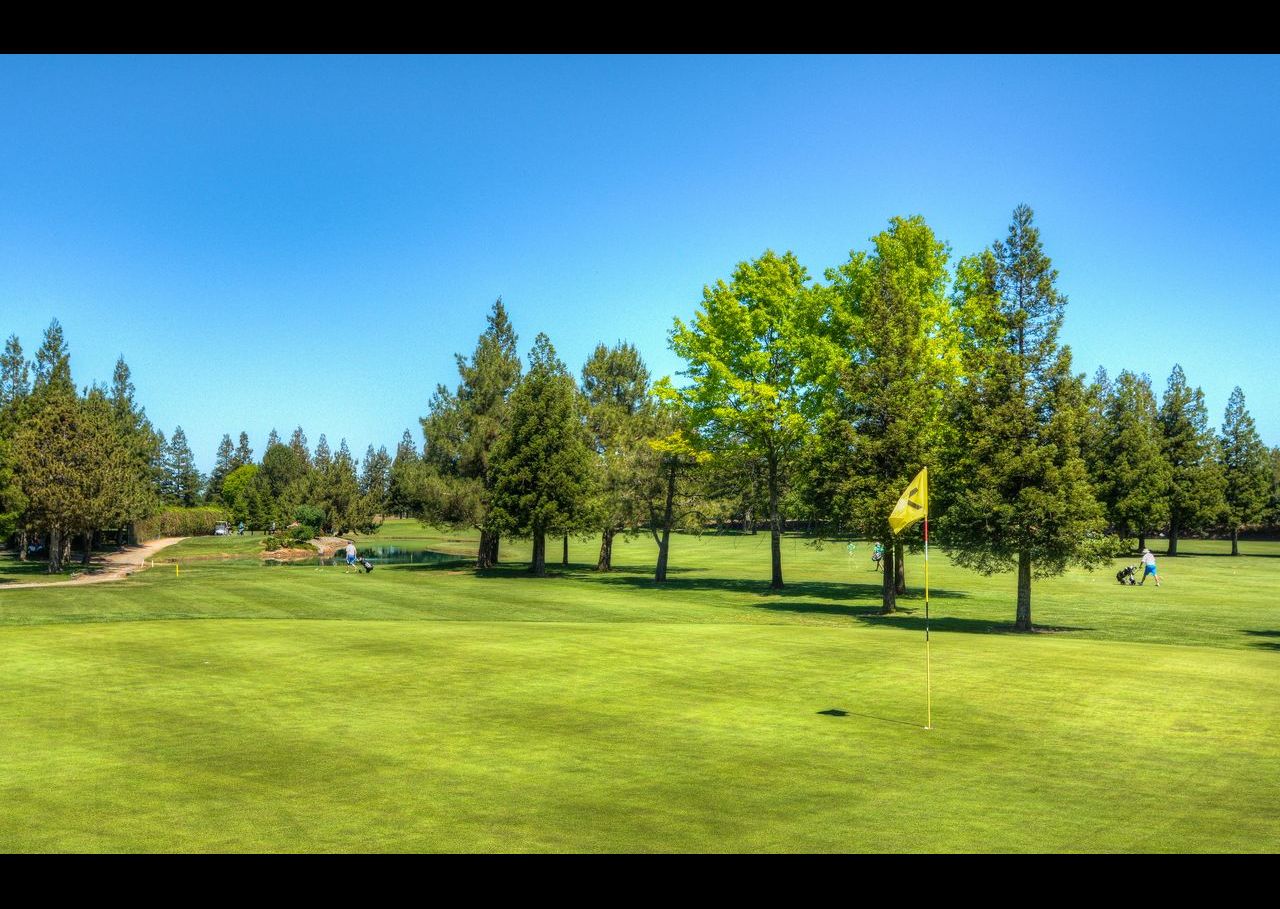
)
(436, 708)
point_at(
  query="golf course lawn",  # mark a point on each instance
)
(437, 708)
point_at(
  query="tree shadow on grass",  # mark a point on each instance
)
(827, 590)
(912, 619)
(1265, 645)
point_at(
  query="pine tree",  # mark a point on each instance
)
(1196, 486)
(182, 479)
(1246, 466)
(273, 438)
(542, 460)
(244, 454)
(15, 376)
(460, 433)
(53, 363)
(615, 385)
(1015, 487)
(401, 497)
(375, 478)
(1130, 471)
(323, 458)
(880, 423)
(223, 463)
(298, 442)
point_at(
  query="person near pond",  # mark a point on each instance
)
(1148, 568)
(351, 555)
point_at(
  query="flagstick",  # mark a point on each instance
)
(928, 679)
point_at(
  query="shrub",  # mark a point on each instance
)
(176, 521)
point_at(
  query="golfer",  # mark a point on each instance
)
(351, 555)
(1148, 567)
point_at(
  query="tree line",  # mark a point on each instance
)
(805, 401)
(88, 466)
(817, 401)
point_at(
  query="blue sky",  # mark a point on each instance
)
(284, 241)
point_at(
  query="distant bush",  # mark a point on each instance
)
(309, 515)
(176, 521)
(285, 542)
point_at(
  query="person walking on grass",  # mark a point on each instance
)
(1148, 568)
(351, 556)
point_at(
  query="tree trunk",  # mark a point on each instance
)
(1173, 538)
(88, 547)
(494, 539)
(899, 568)
(482, 553)
(888, 587)
(748, 522)
(22, 545)
(55, 551)
(1142, 541)
(565, 559)
(664, 545)
(605, 562)
(1235, 541)
(775, 528)
(538, 567)
(1024, 592)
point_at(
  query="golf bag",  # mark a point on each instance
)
(367, 565)
(1125, 575)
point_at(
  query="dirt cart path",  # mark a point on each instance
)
(113, 567)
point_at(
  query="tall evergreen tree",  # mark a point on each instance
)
(1016, 488)
(298, 442)
(223, 463)
(1131, 474)
(375, 478)
(461, 431)
(15, 376)
(1196, 485)
(615, 385)
(749, 354)
(542, 461)
(244, 454)
(53, 363)
(1246, 466)
(323, 457)
(273, 438)
(895, 347)
(182, 479)
(404, 480)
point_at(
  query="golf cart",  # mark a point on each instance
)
(221, 529)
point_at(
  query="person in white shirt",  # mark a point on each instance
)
(1148, 567)
(351, 555)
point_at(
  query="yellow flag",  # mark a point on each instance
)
(914, 504)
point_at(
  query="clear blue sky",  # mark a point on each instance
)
(309, 240)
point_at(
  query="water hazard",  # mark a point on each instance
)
(397, 555)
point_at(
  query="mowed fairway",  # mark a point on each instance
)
(239, 707)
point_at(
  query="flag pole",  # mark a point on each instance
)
(928, 679)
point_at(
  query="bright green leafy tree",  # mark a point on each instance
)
(752, 355)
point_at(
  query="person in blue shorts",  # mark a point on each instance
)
(1148, 568)
(351, 555)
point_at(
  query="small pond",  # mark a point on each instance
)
(397, 555)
